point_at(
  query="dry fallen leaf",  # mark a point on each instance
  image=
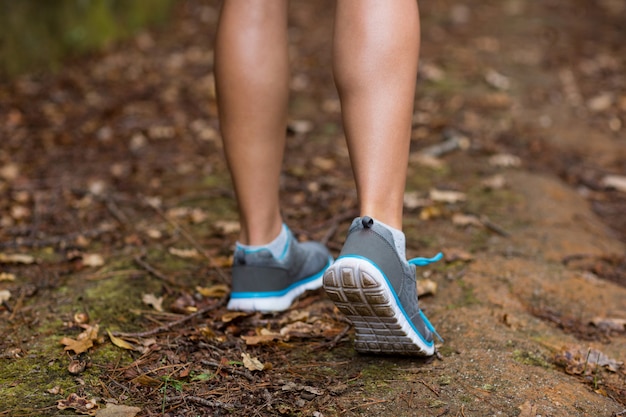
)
(600, 102)
(153, 301)
(184, 253)
(300, 126)
(614, 324)
(92, 259)
(497, 80)
(617, 182)
(264, 336)
(16, 258)
(450, 197)
(300, 329)
(505, 160)
(252, 364)
(227, 227)
(10, 171)
(5, 276)
(78, 346)
(325, 164)
(222, 261)
(428, 161)
(198, 216)
(495, 182)
(54, 390)
(154, 233)
(292, 386)
(147, 381)
(584, 361)
(116, 410)
(462, 220)
(83, 341)
(81, 405)
(431, 212)
(431, 72)
(232, 315)
(214, 291)
(121, 343)
(296, 315)
(426, 287)
(412, 200)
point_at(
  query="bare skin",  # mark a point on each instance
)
(375, 56)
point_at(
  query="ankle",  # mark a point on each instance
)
(276, 246)
(258, 234)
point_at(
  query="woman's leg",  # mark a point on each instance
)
(270, 268)
(375, 64)
(252, 77)
(376, 47)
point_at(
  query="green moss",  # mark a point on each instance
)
(374, 377)
(466, 399)
(446, 350)
(108, 301)
(19, 377)
(530, 358)
(489, 387)
(436, 404)
(46, 368)
(444, 380)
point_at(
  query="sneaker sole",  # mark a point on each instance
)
(277, 303)
(362, 293)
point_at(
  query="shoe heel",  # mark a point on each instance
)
(362, 294)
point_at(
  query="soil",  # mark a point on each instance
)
(118, 220)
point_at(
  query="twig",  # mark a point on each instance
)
(56, 240)
(153, 271)
(18, 305)
(429, 387)
(219, 366)
(365, 405)
(331, 344)
(190, 239)
(202, 401)
(116, 212)
(493, 227)
(210, 346)
(453, 140)
(173, 324)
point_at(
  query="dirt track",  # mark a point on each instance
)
(113, 186)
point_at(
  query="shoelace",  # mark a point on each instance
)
(423, 262)
(426, 261)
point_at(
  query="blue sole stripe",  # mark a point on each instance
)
(395, 296)
(265, 294)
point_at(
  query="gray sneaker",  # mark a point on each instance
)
(263, 283)
(377, 291)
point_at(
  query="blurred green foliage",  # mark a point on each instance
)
(38, 34)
